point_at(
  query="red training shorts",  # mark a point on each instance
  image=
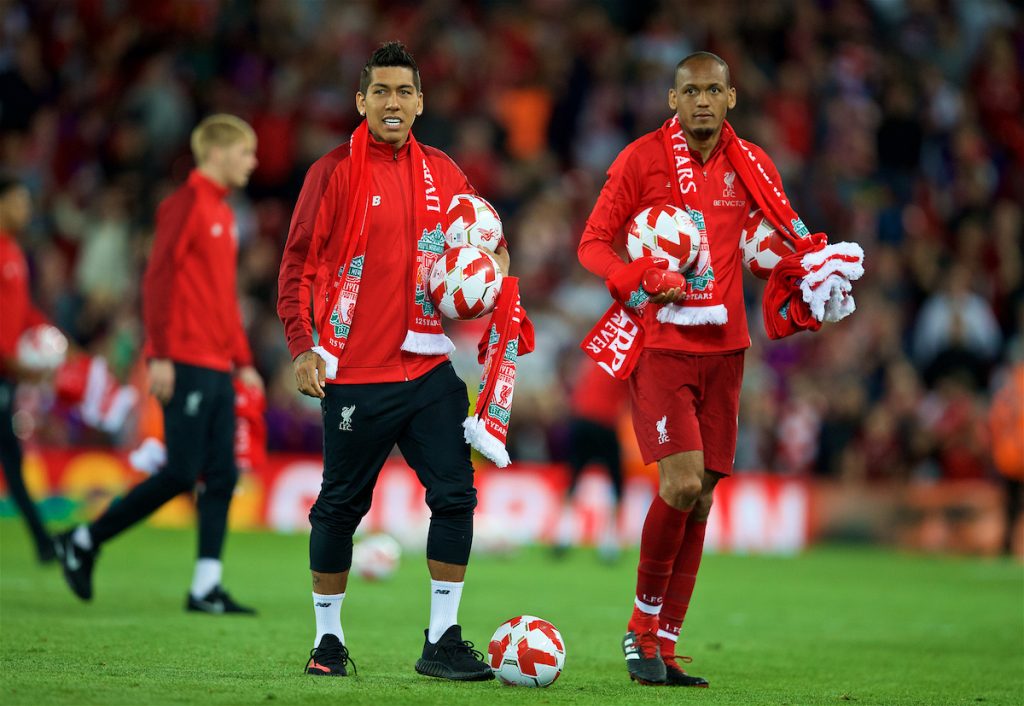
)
(684, 402)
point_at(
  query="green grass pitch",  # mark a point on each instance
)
(834, 626)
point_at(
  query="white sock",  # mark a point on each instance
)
(444, 607)
(82, 538)
(565, 526)
(206, 577)
(610, 533)
(327, 609)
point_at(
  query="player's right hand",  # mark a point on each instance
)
(310, 374)
(664, 286)
(670, 296)
(161, 379)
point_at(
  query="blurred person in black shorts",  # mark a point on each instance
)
(597, 402)
(366, 228)
(17, 314)
(195, 340)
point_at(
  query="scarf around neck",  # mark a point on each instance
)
(424, 335)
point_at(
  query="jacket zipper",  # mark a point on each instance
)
(401, 354)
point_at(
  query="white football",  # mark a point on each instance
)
(664, 231)
(526, 651)
(762, 246)
(42, 348)
(465, 282)
(376, 557)
(472, 221)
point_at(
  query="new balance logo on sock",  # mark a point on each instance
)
(323, 605)
(442, 591)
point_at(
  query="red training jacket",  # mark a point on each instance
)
(640, 177)
(17, 312)
(373, 351)
(189, 299)
(597, 396)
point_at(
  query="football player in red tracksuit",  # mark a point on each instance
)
(596, 405)
(16, 315)
(366, 225)
(685, 388)
(195, 340)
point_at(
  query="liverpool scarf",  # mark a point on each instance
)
(424, 334)
(617, 339)
(702, 304)
(509, 335)
(815, 282)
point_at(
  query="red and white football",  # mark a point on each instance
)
(664, 231)
(42, 348)
(526, 651)
(762, 246)
(464, 283)
(472, 221)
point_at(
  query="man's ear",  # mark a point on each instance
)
(672, 98)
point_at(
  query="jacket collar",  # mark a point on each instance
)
(200, 181)
(382, 150)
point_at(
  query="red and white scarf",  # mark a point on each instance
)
(424, 334)
(822, 273)
(826, 271)
(702, 304)
(509, 335)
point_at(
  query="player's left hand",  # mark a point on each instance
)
(251, 378)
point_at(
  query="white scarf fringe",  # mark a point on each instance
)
(427, 343)
(693, 315)
(828, 285)
(476, 435)
(330, 359)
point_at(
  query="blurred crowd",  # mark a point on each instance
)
(896, 124)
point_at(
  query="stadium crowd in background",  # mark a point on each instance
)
(894, 123)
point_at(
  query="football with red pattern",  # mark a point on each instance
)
(42, 348)
(762, 246)
(526, 651)
(472, 221)
(465, 282)
(664, 231)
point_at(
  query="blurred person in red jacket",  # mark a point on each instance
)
(17, 314)
(597, 402)
(368, 224)
(1006, 427)
(195, 342)
(685, 387)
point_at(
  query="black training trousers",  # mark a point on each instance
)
(362, 424)
(590, 441)
(10, 459)
(199, 432)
